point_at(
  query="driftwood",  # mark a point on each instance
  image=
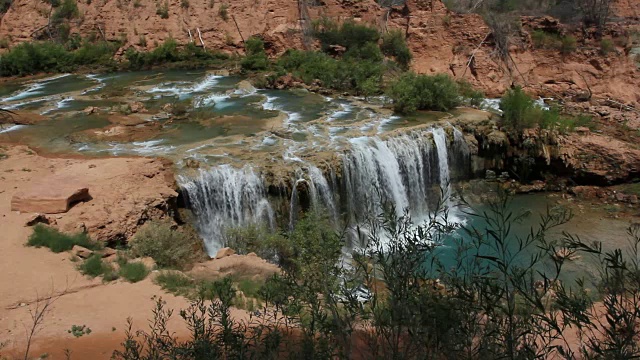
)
(237, 27)
(473, 54)
(201, 41)
(190, 37)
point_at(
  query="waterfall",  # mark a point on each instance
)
(440, 139)
(402, 170)
(410, 171)
(322, 194)
(224, 197)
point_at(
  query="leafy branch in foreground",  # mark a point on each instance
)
(436, 289)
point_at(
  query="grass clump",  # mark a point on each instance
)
(44, 236)
(569, 45)
(169, 247)
(223, 12)
(411, 92)
(607, 46)
(544, 40)
(176, 283)
(94, 266)
(163, 10)
(133, 271)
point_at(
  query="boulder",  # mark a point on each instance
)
(137, 107)
(90, 110)
(224, 252)
(37, 219)
(53, 196)
(81, 252)
(108, 252)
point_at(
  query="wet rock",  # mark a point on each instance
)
(90, 110)
(245, 87)
(192, 163)
(224, 252)
(490, 175)
(52, 196)
(81, 252)
(137, 107)
(37, 219)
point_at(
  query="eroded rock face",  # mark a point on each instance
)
(54, 195)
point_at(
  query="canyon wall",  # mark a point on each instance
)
(442, 41)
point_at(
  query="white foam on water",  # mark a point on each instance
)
(345, 109)
(491, 104)
(209, 82)
(219, 100)
(59, 105)
(270, 105)
(24, 103)
(386, 121)
(11, 128)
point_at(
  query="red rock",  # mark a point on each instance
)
(81, 252)
(224, 252)
(37, 219)
(52, 196)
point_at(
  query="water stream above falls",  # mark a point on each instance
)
(253, 156)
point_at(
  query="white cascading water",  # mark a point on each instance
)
(322, 194)
(409, 170)
(440, 139)
(402, 169)
(370, 171)
(223, 197)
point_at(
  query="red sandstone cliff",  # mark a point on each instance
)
(440, 40)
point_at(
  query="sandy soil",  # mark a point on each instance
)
(27, 273)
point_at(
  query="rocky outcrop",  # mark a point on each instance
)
(584, 157)
(53, 195)
(125, 192)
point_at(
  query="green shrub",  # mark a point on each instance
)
(168, 247)
(175, 282)
(256, 239)
(569, 45)
(5, 5)
(516, 107)
(471, 96)
(348, 34)
(133, 271)
(163, 10)
(606, 46)
(184, 4)
(67, 10)
(256, 58)
(223, 12)
(544, 40)
(93, 266)
(411, 92)
(44, 236)
(394, 44)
